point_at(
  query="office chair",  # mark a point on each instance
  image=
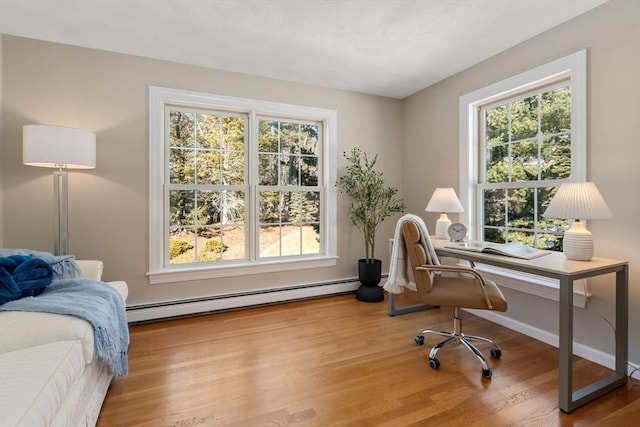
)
(453, 286)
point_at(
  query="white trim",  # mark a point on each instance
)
(226, 302)
(198, 272)
(160, 97)
(156, 172)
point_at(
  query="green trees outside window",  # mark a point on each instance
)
(526, 153)
(210, 197)
(288, 193)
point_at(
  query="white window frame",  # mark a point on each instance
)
(572, 67)
(159, 271)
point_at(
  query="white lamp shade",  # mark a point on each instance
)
(444, 200)
(578, 200)
(58, 147)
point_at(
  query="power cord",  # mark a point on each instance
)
(587, 306)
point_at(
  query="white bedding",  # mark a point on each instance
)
(81, 406)
(43, 328)
(37, 380)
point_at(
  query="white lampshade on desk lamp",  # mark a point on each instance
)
(443, 200)
(578, 200)
(61, 148)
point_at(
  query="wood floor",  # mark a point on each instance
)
(339, 362)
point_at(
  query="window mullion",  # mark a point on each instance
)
(509, 144)
(251, 153)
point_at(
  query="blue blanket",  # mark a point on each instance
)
(63, 266)
(91, 300)
(23, 276)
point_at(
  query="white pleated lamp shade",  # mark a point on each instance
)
(58, 147)
(578, 200)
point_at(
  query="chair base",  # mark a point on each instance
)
(456, 336)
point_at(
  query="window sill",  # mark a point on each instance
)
(189, 273)
(534, 285)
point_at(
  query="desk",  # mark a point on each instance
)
(556, 266)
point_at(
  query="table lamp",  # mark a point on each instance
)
(576, 201)
(443, 200)
(61, 148)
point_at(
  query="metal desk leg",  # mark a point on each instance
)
(568, 400)
(622, 321)
(565, 345)
(393, 310)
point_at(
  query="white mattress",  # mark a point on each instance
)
(81, 406)
(36, 380)
(21, 329)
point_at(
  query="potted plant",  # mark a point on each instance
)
(371, 203)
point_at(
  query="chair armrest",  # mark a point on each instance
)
(90, 269)
(463, 270)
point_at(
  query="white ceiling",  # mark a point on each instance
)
(384, 47)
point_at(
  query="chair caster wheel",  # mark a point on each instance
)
(486, 373)
(434, 363)
(496, 353)
(419, 339)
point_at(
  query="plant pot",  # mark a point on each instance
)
(369, 275)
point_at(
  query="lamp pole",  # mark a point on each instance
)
(60, 212)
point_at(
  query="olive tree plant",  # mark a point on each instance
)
(371, 200)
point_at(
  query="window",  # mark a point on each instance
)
(206, 188)
(238, 186)
(289, 196)
(525, 153)
(520, 138)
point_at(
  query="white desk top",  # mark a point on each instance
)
(554, 264)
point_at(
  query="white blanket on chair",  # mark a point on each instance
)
(399, 269)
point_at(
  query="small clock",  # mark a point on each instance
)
(457, 232)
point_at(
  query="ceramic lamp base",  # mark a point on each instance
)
(442, 225)
(578, 242)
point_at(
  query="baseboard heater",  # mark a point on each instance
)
(197, 306)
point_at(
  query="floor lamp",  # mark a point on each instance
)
(61, 148)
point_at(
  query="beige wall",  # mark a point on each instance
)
(611, 35)
(108, 207)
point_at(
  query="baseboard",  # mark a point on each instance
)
(596, 356)
(180, 308)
